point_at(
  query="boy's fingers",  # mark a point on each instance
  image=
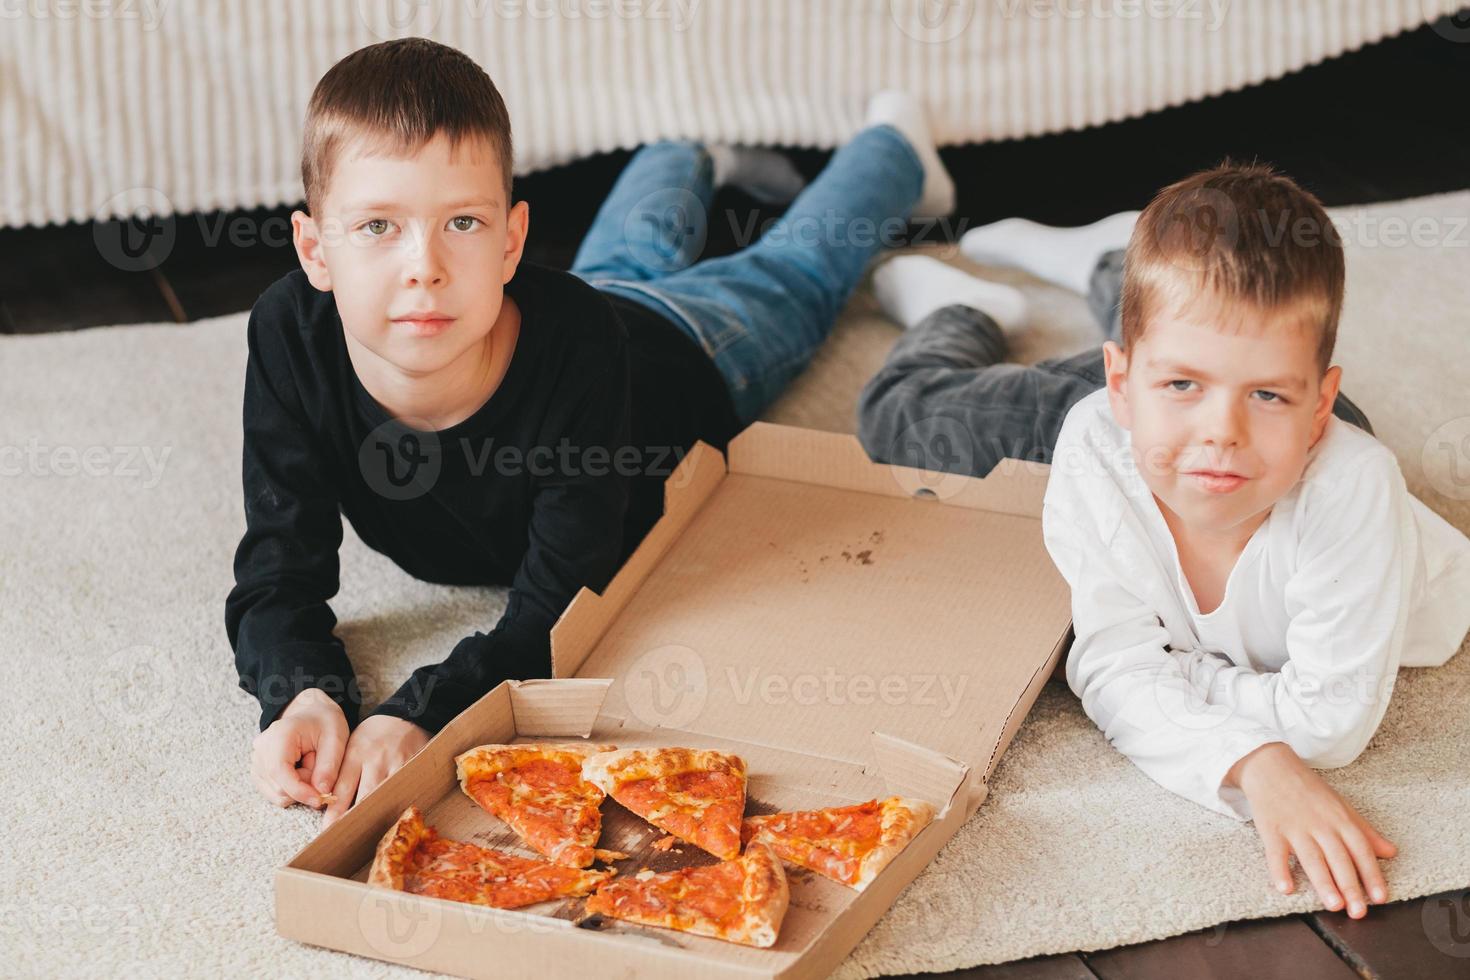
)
(345, 790)
(282, 772)
(328, 760)
(1278, 861)
(1309, 856)
(269, 791)
(1345, 873)
(1382, 846)
(1368, 869)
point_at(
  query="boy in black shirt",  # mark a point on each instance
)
(485, 421)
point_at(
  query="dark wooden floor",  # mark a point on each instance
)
(1378, 124)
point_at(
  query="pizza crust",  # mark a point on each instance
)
(484, 761)
(766, 896)
(391, 857)
(903, 818)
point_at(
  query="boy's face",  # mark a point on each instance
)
(398, 239)
(1248, 401)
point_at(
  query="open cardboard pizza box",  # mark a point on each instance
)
(852, 630)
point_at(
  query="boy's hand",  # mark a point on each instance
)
(295, 759)
(1297, 812)
(380, 745)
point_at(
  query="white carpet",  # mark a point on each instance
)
(177, 106)
(135, 844)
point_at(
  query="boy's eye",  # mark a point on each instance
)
(1272, 396)
(376, 227)
(469, 218)
(1179, 381)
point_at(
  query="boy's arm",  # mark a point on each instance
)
(1134, 689)
(1349, 604)
(286, 566)
(574, 539)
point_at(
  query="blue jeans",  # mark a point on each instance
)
(946, 400)
(762, 312)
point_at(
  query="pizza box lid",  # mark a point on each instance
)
(800, 595)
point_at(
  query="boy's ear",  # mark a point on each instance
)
(517, 226)
(307, 238)
(1115, 367)
(1326, 398)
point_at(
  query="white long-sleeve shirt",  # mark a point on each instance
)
(1349, 577)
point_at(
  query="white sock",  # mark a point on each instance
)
(766, 175)
(906, 114)
(910, 287)
(1065, 256)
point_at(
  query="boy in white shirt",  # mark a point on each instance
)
(1248, 572)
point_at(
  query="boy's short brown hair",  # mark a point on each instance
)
(398, 95)
(1245, 235)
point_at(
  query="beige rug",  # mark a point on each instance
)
(135, 843)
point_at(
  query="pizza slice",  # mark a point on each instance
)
(740, 901)
(538, 789)
(695, 794)
(850, 844)
(412, 857)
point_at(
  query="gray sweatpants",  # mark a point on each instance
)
(947, 400)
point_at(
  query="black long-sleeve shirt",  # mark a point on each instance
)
(546, 488)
